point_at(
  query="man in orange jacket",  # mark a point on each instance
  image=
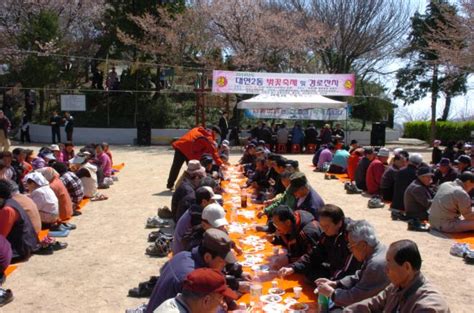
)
(191, 146)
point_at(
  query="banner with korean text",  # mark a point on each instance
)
(298, 114)
(283, 83)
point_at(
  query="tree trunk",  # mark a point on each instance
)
(447, 106)
(364, 121)
(434, 98)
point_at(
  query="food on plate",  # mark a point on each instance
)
(276, 291)
(297, 306)
(270, 298)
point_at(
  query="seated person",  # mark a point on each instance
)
(361, 170)
(258, 180)
(6, 169)
(28, 205)
(6, 295)
(445, 172)
(463, 163)
(403, 270)
(285, 198)
(403, 179)
(352, 163)
(375, 171)
(204, 197)
(68, 152)
(450, 202)
(15, 225)
(307, 198)
(19, 156)
(370, 279)
(325, 157)
(58, 154)
(331, 258)
(43, 196)
(87, 173)
(203, 290)
(104, 163)
(418, 196)
(213, 216)
(214, 252)
(298, 231)
(106, 148)
(64, 200)
(278, 166)
(339, 162)
(72, 183)
(387, 183)
(186, 185)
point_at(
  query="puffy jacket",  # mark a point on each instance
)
(197, 142)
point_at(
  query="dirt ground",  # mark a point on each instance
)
(106, 256)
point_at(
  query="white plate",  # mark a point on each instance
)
(303, 308)
(274, 308)
(262, 268)
(270, 299)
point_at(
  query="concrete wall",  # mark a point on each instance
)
(127, 136)
(122, 136)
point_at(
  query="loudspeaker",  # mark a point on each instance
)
(377, 135)
(143, 133)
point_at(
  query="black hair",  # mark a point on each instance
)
(60, 167)
(5, 189)
(405, 154)
(18, 151)
(335, 213)
(208, 181)
(331, 146)
(274, 156)
(407, 251)
(203, 250)
(281, 162)
(467, 175)
(202, 194)
(284, 213)
(216, 129)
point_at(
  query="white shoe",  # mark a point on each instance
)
(459, 249)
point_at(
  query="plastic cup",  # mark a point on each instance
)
(274, 284)
(297, 291)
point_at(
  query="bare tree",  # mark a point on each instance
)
(365, 32)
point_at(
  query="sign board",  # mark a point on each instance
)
(73, 102)
(283, 83)
(298, 114)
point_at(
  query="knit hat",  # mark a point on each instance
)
(195, 168)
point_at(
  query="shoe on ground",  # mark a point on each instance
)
(6, 296)
(76, 213)
(375, 203)
(347, 185)
(469, 257)
(415, 225)
(139, 309)
(398, 215)
(459, 249)
(353, 190)
(59, 245)
(156, 222)
(114, 178)
(46, 250)
(69, 226)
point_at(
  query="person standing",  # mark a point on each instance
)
(55, 122)
(68, 125)
(25, 128)
(224, 125)
(4, 131)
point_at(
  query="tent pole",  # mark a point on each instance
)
(347, 130)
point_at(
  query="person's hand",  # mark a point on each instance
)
(321, 281)
(260, 214)
(244, 286)
(246, 276)
(238, 249)
(285, 271)
(325, 289)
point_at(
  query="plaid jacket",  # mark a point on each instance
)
(74, 186)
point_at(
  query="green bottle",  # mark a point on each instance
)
(323, 303)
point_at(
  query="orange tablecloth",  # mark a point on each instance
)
(286, 283)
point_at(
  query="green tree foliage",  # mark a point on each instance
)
(423, 73)
(371, 102)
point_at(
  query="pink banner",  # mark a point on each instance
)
(282, 83)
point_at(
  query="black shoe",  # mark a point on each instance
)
(48, 250)
(76, 213)
(415, 225)
(59, 245)
(398, 216)
(6, 296)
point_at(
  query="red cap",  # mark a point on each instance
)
(207, 280)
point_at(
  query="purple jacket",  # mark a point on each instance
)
(5, 254)
(324, 157)
(105, 164)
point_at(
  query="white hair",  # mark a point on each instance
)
(363, 231)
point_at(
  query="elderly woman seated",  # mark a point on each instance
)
(43, 196)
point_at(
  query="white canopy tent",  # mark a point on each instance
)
(290, 102)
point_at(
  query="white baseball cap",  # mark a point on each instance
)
(214, 214)
(213, 195)
(54, 148)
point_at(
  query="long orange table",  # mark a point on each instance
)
(266, 279)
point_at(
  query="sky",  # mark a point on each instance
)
(462, 107)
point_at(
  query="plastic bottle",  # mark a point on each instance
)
(256, 290)
(323, 303)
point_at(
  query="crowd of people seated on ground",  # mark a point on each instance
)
(437, 193)
(42, 192)
(343, 258)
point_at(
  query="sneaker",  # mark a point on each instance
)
(469, 257)
(353, 190)
(375, 203)
(415, 225)
(6, 296)
(347, 185)
(459, 249)
(156, 222)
